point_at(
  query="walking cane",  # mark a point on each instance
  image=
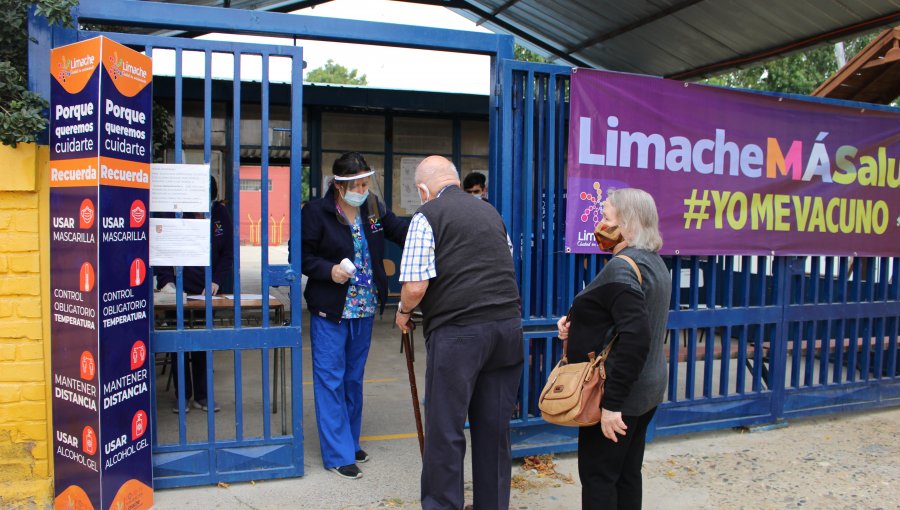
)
(406, 346)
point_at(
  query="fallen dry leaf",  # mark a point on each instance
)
(542, 466)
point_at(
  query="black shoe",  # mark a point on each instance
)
(349, 471)
(362, 456)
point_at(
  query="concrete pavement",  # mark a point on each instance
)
(845, 461)
(834, 462)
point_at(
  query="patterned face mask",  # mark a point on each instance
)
(607, 237)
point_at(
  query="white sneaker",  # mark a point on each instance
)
(202, 404)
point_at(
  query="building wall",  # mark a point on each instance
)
(25, 425)
(279, 206)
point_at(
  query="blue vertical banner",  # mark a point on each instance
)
(100, 151)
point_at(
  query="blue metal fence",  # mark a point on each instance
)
(751, 340)
(841, 331)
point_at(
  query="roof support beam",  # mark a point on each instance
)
(518, 32)
(286, 6)
(207, 19)
(604, 36)
(502, 8)
(293, 5)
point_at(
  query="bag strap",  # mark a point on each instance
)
(634, 266)
(606, 350)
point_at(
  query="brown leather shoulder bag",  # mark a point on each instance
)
(574, 391)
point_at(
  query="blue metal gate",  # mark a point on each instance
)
(256, 448)
(249, 333)
(751, 340)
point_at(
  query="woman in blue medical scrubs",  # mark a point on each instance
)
(343, 250)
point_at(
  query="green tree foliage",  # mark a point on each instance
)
(525, 55)
(21, 115)
(799, 73)
(22, 111)
(332, 72)
(163, 132)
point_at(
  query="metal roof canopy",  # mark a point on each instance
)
(681, 39)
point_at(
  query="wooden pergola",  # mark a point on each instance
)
(871, 76)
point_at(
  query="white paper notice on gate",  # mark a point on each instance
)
(179, 188)
(179, 242)
(409, 197)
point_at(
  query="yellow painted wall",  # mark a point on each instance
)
(25, 425)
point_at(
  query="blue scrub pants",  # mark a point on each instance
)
(339, 353)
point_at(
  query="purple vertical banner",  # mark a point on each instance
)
(125, 117)
(733, 172)
(99, 288)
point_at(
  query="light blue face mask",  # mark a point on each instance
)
(356, 199)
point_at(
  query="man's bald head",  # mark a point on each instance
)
(435, 172)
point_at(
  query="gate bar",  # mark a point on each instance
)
(212, 19)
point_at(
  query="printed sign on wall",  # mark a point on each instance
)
(100, 141)
(733, 172)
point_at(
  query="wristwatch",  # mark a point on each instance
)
(401, 312)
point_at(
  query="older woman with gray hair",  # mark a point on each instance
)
(620, 302)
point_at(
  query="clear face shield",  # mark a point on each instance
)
(361, 190)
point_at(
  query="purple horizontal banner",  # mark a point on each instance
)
(734, 173)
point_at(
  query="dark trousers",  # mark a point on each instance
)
(611, 472)
(194, 374)
(472, 370)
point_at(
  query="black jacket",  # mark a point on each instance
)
(615, 302)
(326, 240)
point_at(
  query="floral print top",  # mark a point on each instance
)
(361, 298)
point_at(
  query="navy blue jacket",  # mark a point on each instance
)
(326, 240)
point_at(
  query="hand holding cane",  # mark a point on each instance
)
(406, 346)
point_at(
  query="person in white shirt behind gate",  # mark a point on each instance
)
(458, 267)
(611, 452)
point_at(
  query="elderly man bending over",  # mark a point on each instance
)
(457, 266)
